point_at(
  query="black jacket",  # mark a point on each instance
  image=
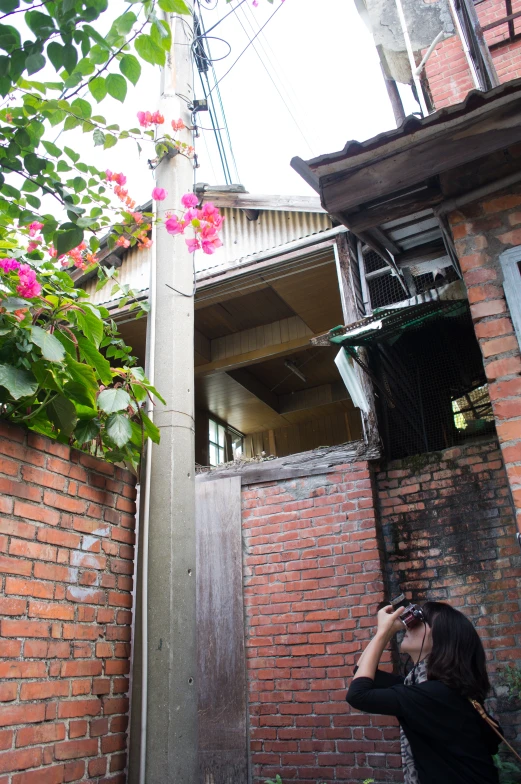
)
(449, 740)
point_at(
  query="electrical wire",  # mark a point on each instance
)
(248, 45)
(204, 58)
(299, 107)
(297, 125)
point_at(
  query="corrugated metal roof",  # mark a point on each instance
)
(241, 238)
(273, 228)
(135, 271)
(474, 100)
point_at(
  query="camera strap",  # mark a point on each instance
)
(480, 709)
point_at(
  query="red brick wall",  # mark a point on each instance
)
(448, 527)
(66, 536)
(447, 71)
(482, 232)
(312, 584)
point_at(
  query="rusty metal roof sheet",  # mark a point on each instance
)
(474, 100)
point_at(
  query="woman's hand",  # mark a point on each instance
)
(389, 621)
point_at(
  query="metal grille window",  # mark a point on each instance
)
(383, 287)
(510, 262)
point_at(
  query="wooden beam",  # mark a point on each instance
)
(248, 201)
(270, 334)
(254, 357)
(457, 144)
(313, 397)
(376, 213)
(344, 262)
(252, 384)
(202, 346)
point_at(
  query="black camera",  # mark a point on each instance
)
(412, 615)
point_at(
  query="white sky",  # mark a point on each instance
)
(323, 61)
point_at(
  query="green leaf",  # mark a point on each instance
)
(52, 149)
(97, 361)
(39, 24)
(67, 237)
(70, 58)
(62, 414)
(90, 324)
(125, 23)
(151, 430)
(99, 138)
(34, 63)
(118, 429)
(99, 54)
(161, 34)
(51, 348)
(74, 156)
(81, 108)
(84, 375)
(44, 375)
(130, 67)
(174, 6)
(86, 431)
(55, 54)
(117, 86)
(18, 382)
(79, 184)
(6, 6)
(9, 38)
(110, 141)
(111, 400)
(98, 88)
(149, 51)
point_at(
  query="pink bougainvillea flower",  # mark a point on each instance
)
(144, 119)
(33, 245)
(146, 242)
(178, 125)
(122, 242)
(159, 194)
(20, 314)
(189, 200)
(157, 118)
(9, 265)
(34, 228)
(28, 286)
(119, 178)
(108, 175)
(91, 258)
(193, 245)
(209, 246)
(174, 226)
(137, 217)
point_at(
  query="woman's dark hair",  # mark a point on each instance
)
(457, 658)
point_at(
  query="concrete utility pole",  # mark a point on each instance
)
(168, 598)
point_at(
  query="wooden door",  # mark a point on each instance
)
(221, 665)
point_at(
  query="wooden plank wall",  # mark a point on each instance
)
(221, 665)
(272, 334)
(303, 436)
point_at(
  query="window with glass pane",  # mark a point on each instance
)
(217, 440)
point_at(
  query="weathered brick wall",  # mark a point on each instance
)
(66, 550)
(448, 527)
(313, 581)
(447, 71)
(482, 231)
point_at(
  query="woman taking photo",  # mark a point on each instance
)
(444, 740)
